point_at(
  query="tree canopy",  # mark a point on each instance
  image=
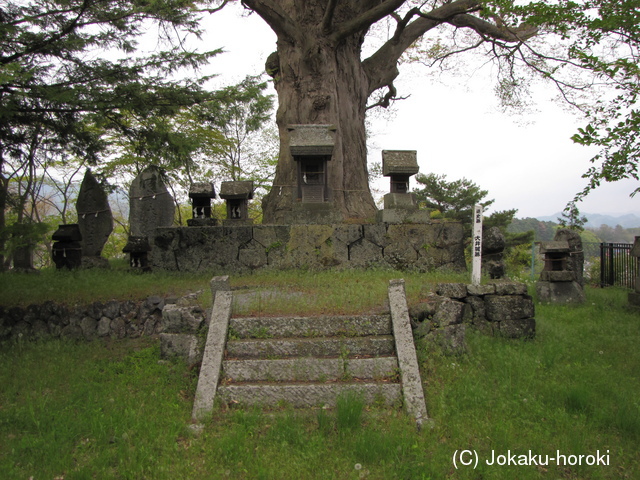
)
(70, 73)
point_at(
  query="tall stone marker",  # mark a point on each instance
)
(94, 219)
(476, 271)
(150, 204)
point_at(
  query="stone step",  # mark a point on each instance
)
(310, 369)
(324, 326)
(300, 395)
(373, 346)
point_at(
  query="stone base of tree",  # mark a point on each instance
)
(226, 249)
(401, 215)
(313, 214)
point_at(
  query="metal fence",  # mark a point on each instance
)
(617, 266)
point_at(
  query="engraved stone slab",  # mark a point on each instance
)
(150, 204)
(94, 216)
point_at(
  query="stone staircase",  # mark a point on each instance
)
(309, 361)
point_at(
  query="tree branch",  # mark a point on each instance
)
(388, 97)
(275, 17)
(214, 9)
(381, 67)
(504, 33)
(365, 20)
(328, 16)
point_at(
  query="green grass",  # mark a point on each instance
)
(110, 410)
(88, 286)
(348, 291)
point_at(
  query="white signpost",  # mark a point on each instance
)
(477, 245)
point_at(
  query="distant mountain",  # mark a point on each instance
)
(596, 220)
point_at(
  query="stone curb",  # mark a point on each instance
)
(410, 374)
(212, 359)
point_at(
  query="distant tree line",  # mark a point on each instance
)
(545, 231)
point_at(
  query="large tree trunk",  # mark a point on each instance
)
(321, 79)
(319, 82)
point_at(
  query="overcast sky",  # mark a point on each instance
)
(526, 161)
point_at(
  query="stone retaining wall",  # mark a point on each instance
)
(496, 309)
(115, 319)
(233, 249)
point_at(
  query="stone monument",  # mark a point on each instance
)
(150, 206)
(94, 220)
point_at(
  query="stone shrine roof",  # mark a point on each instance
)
(202, 190)
(236, 190)
(311, 139)
(554, 247)
(399, 162)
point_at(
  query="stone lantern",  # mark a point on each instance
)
(67, 250)
(558, 281)
(400, 206)
(237, 195)
(201, 194)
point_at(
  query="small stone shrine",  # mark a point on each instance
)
(237, 195)
(576, 257)
(400, 206)
(94, 220)
(558, 281)
(150, 206)
(67, 250)
(312, 149)
(201, 194)
(138, 249)
(634, 297)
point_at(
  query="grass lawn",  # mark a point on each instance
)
(110, 410)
